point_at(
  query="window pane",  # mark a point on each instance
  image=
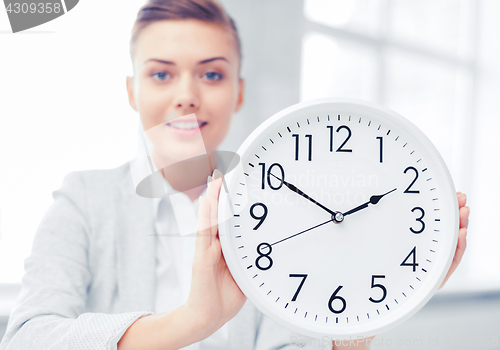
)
(336, 68)
(423, 90)
(360, 16)
(429, 23)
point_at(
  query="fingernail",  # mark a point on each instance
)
(217, 174)
(209, 179)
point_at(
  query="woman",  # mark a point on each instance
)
(97, 275)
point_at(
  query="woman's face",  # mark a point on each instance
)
(183, 67)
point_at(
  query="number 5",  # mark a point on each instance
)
(384, 290)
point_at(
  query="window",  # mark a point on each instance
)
(437, 64)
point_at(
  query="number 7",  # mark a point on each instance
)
(300, 285)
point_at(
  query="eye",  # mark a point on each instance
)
(161, 76)
(213, 76)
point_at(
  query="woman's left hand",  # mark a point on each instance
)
(462, 235)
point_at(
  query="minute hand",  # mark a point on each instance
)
(296, 190)
(373, 200)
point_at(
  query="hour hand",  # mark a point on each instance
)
(299, 192)
(373, 200)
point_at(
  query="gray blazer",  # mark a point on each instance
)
(91, 272)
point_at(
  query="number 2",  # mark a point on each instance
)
(415, 179)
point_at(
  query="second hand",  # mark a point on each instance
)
(301, 232)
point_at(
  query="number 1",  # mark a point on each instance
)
(380, 138)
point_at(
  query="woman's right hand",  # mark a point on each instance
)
(214, 298)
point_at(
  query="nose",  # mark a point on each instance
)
(186, 95)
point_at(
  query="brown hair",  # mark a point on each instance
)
(204, 10)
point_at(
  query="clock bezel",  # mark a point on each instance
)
(442, 264)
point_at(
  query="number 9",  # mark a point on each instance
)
(262, 217)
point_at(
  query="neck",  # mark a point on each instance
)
(187, 176)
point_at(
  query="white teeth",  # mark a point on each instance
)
(184, 125)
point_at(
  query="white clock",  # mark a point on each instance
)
(341, 219)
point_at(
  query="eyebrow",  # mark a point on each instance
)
(201, 62)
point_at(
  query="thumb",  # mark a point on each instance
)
(203, 230)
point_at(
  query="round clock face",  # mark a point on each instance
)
(341, 218)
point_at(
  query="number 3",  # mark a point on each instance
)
(419, 220)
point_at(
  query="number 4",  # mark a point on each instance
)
(414, 263)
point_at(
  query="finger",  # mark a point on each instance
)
(218, 175)
(203, 231)
(464, 217)
(219, 181)
(213, 210)
(461, 245)
(459, 253)
(462, 199)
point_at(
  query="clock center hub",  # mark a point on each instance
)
(338, 217)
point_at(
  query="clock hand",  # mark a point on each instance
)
(299, 192)
(301, 232)
(373, 200)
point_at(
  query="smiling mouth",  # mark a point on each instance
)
(187, 125)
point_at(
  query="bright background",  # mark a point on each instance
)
(63, 102)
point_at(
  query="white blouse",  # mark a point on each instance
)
(175, 214)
